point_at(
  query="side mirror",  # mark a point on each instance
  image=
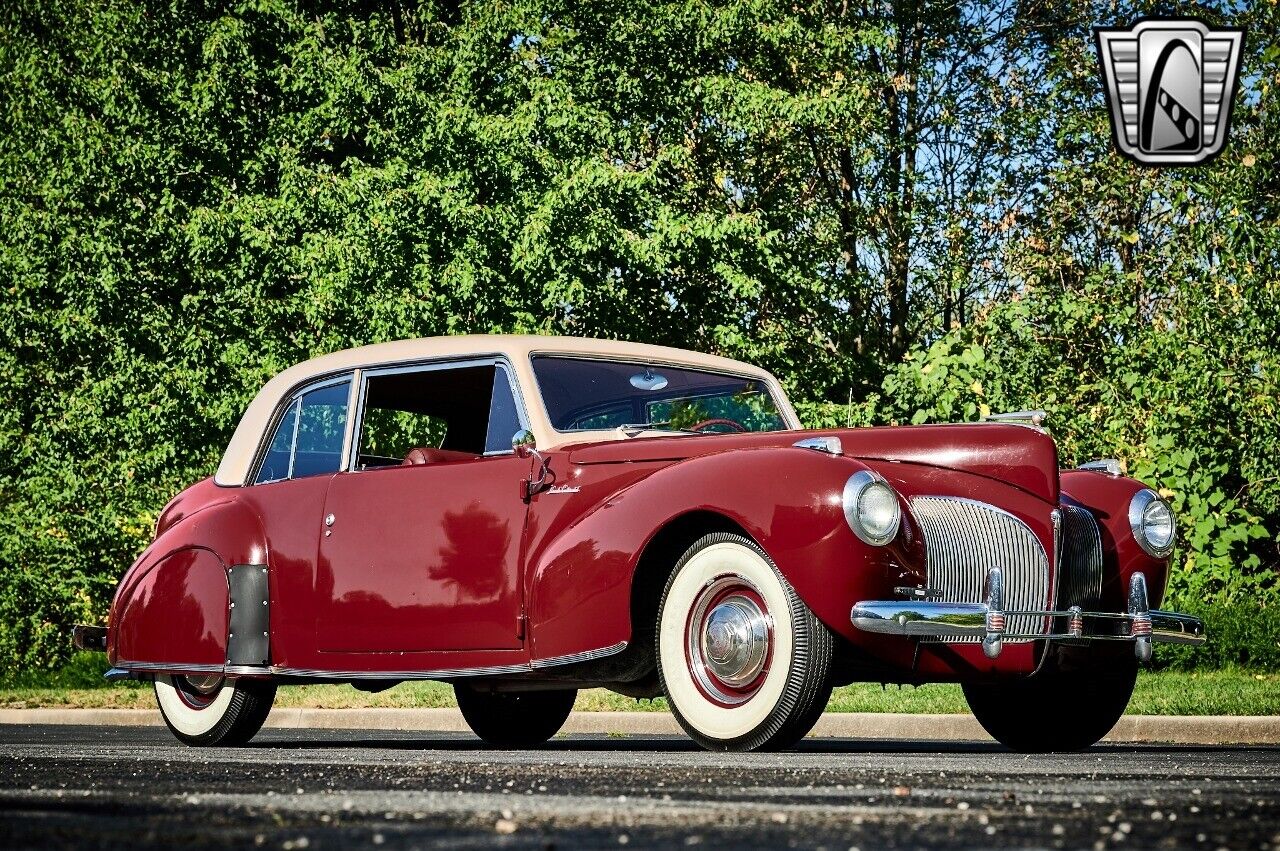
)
(523, 443)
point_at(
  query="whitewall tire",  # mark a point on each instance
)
(212, 710)
(743, 661)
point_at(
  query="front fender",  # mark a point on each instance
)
(787, 499)
(171, 607)
(1108, 498)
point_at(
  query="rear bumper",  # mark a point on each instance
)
(89, 637)
(1139, 625)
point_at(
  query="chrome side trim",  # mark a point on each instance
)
(452, 673)
(126, 668)
(169, 667)
(585, 656)
(1110, 466)
(830, 445)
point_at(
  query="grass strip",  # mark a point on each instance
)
(1231, 692)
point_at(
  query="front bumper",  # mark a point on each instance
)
(1140, 625)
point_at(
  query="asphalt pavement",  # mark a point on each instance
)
(83, 786)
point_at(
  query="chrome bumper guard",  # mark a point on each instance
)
(987, 620)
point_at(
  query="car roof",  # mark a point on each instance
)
(238, 458)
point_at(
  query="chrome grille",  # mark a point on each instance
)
(1080, 565)
(964, 539)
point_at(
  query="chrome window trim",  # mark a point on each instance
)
(774, 392)
(498, 361)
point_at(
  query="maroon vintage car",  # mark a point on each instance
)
(527, 516)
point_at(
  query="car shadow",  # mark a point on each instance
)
(583, 743)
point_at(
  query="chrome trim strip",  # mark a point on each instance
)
(170, 667)
(437, 674)
(828, 444)
(585, 656)
(452, 673)
(1110, 466)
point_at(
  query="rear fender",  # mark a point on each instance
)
(171, 609)
(787, 499)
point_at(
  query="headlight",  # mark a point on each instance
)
(1152, 522)
(871, 508)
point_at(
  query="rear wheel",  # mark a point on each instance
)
(212, 710)
(743, 661)
(518, 719)
(1054, 710)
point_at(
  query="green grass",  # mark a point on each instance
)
(1230, 692)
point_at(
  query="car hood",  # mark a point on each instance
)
(1017, 455)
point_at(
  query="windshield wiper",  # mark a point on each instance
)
(659, 426)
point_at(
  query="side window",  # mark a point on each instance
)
(308, 440)
(275, 464)
(504, 419)
(436, 415)
(322, 424)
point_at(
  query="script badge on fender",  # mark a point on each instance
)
(1170, 84)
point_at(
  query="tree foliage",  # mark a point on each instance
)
(913, 208)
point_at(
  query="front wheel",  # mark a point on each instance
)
(518, 719)
(213, 710)
(743, 661)
(1054, 710)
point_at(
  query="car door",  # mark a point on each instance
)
(305, 449)
(422, 543)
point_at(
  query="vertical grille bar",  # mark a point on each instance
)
(1080, 566)
(965, 538)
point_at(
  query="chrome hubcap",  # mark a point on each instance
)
(734, 641)
(205, 685)
(728, 639)
(198, 692)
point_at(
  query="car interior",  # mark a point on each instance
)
(436, 416)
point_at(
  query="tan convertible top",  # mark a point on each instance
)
(239, 456)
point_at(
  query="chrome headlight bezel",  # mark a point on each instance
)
(856, 490)
(1144, 501)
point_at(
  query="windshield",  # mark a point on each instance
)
(584, 395)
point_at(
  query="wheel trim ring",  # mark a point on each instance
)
(724, 588)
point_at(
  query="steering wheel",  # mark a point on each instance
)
(733, 425)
